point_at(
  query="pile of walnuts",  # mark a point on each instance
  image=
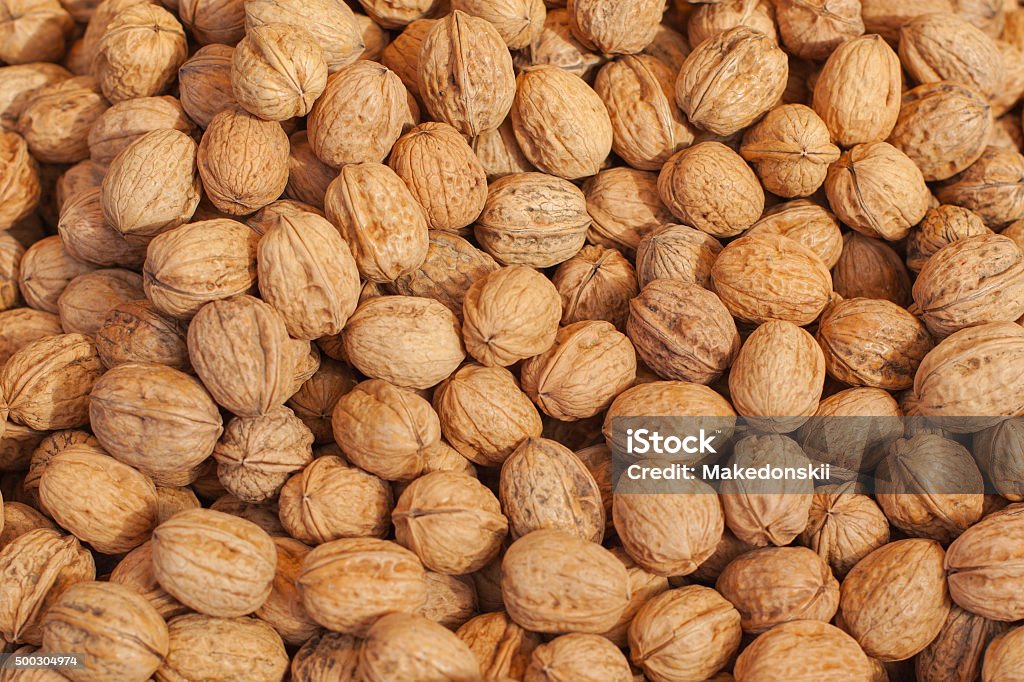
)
(315, 316)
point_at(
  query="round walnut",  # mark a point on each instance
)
(872, 342)
(137, 332)
(140, 52)
(86, 300)
(710, 187)
(984, 567)
(379, 217)
(999, 452)
(205, 647)
(793, 583)
(120, 633)
(20, 193)
(451, 521)
(385, 429)
(278, 71)
(21, 326)
(204, 83)
(688, 633)
(212, 21)
(991, 187)
(326, 655)
(215, 563)
(668, 531)
(844, 526)
(677, 252)
(970, 282)
(331, 23)
(181, 265)
(621, 29)
(942, 225)
(243, 161)
(994, 391)
(466, 74)
(56, 119)
(877, 190)
(314, 402)
(944, 47)
(647, 125)
(502, 648)
(578, 377)
(438, 656)
(709, 20)
(242, 353)
(35, 568)
(424, 340)
(120, 509)
(740, 60)
(45, 270)
(929, 486)
(588, 658)
(682, 331)
(46, 450)
(792, 283)
(812, 30)
(34, 31)
(532, 219)
(362, 112)
(484, 415)
(596, 284)
(554, 582)
(807, 223)
(561, 124)
(894, 601)
(1003, 656)
(810, 649)
(125, 122)
(870, 268)
(518, 22)
(257, 454)
(347, 584)
(20, 518)
(443, 173)
(558, 46)
(19, 82)
(88, 236)
(510, 314)
(156, 419)
(450, 268)
(64, 365)
(451, 600)
(930, 116)
(625, 206)
(791, 149)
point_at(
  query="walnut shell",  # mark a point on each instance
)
(21, 189)
(989, 284)
(807, 223)
(48, 448)
(120, 509)
(944, 47)
(314, 402)
(439, 656)
(647, 125)
(558, 46)
(588, 658)
(396, 13)
(983, 566)
(171, 500)
(709, 20)
(233, 581)
(56, 119)
(326, 656)
(885, 17)
(402, 55)
(21, 326)
(212, 21)
(809, 649)
(20, 518)
(709, 187)
(855, 109)
(677, 252)
(34, 31)
(222, 649)
(518, 22)
(425, 344)
(388, 237)
(66, 365)
(119, 632)
(877, 190)
(36, 568)
(555, 582)
(348, 584)
(125, 122)
(791, 149)
(243, 161)
(18, 83)
(88, 236)
(256, 455)
(892, 610)
(870, 268)
(46, 268)
(450, 268)
(992, 187)
(11, 253)
(844, 526)
(579, 376)
(625, 206)
(997, 450)
(812, 30)
(86, 300)
(331, 23)
(596, 284)
(956, 654)
(942, 225)
(928, 114)
(561, 124)
(466, 74)
(682, 331)
(136, 332)
(283, 608)
(1002, 658)
(140, 52)
(502, 648)
(308, 176)
(870, 342)
(686, 633)
(739, 60)
(619, 29)
(204, 83)
(278, 71)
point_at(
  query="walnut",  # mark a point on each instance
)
(137, 332)
(243, 161)
(960, 646)
(885, 17)
(561, 124)
(983, 569)
(708, 186)
(791, 149)
(256, 454)
(397, 13)
(181, 265)
(88, 236)
(206, 647)
(466, 75)
(140, 52)
(325, 656)
(19, 82)
(558, 46)
(308, 176)
(452, 265)
(943, 47)
(809, 647)
(425, 340)
(992, 187)
(502, 648)
(518, 22)
(20, 518)
(625, 206)
(709, 20)
(283, 608)
(56, 119)
(46, 269)
(812, 30)
(213, 21)
(510, 314)
(451, 599)
(11, 253)
(942, 225)
(33, 31)
(484, 415)
(331, 23)
(21, 326)
(171, 500)
(532, 219)
(596, 284)
(127, 121)
(578, 657)
(437, 653)
(870, 268)
(844, 527)
(278, 71)
(314, 402)
(677, 252)
(402, 55)
(670, 46)
(204, 83)
(21, 189)
(996, 450)
(85, 302)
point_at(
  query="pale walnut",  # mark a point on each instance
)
(518, 22)
(992, 187)
(806, 222)
(125, 122)
(46, 268)
(438, 656)
(596, 284)
(809, 648)
(278, 71)
(983, 567)
(942, 46)
(314, 402)
(670, 46)
(625, 206)
(617, 29)
(48, 448)
(813, 30)
(501, 647)
(374, 37)
(82, 176)
(20, 518)
(677, 252)
(558, 46)
(886, 17)
(21, 326)
(399, 13)
(331, 23)
(870, 268)
(33, 31)
(709, 20)
(86, 300)
(222, 649)
(451, 599)
(21, 189)
(791, 149)
(844, 526)
(88, 236)
(308, 176)
(56, 119)
(204, 83)
(561, 124)
(17, 84)
(140, 52)
(943, 225)
(212, 21)
(587, 658)
(171, 500)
